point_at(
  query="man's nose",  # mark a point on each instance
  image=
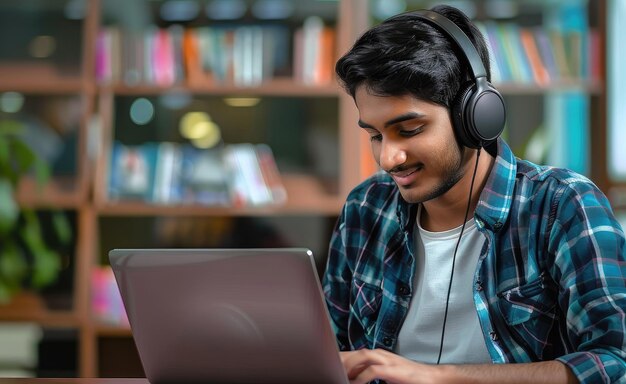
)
(391, 155)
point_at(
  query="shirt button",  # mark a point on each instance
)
(479, 286)
(387, 341)
(403, 290)
(497, 225)
(494, 336)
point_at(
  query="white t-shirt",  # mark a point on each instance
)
(420, 335)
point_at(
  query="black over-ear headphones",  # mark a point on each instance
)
(478, 113)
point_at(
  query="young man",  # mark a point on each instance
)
(459, 262)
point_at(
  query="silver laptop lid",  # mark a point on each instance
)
(228, 315)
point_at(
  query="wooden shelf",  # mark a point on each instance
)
(38, 79)
(29, 307)
(305, 195)
(275, 87)
(107, 330)
(63, 192)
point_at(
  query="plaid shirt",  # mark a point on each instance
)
(549, 284)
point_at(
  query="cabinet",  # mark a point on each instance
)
(309, 124)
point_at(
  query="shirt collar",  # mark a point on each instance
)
(497, 195)
(495, 199)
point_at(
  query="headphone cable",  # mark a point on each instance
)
(456, 248)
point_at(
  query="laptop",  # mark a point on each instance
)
(228, 315)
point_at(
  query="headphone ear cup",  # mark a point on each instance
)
(459, 122)
(478, 115)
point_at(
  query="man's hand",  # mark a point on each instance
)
(366, 365)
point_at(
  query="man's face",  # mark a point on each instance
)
(413, 141)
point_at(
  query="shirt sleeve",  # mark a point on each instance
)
(588, 244)
(336, 284)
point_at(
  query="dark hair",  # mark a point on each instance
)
(407, 55)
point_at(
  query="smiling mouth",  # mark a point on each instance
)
(405, 173)
(406, 176)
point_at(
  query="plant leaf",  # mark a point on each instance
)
(46, 262)
(9, 210)
(46, 268)
(62, 227)
(5, 293)
(7, 167)
(10, 127)
(13, 267)
(4, 152)
(28, 160)
(42, 172)
(23, 155)
(31, 232)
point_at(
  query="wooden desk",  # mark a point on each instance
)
(71, 381)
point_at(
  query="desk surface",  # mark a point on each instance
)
(4, 380)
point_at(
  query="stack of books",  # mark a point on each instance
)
(238, 175)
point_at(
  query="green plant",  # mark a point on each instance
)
(26, 261)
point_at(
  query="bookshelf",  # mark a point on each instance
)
(315, 186)
(309, 124)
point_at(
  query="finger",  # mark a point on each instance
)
(391, 368)
(355, 362)
(344, 355)
(361, 356)
(371, 373)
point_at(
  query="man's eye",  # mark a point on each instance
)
(376, 137)
(412, 132)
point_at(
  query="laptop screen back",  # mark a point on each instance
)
(228, 315)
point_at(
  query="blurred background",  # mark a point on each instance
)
(219, 123)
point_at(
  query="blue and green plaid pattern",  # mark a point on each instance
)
(550, 282)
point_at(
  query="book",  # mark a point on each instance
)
(247, 56)
(204, 176)
(191, 58)
(132, 171)
(518, 62)
(132, 59)
(238, 175)
(326, 59)
(544, 45)
(560, 54)
(106, 301)
(538, 69)
(271, 174)
(164, 62)
(496, 76)
(167, 174)
(504, 71)
(313, 47)
(103, 57)
(177, 33)
(248, 187)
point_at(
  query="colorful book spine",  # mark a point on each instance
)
(538, 69)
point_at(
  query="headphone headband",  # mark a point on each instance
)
(478, 111)
(461, 39)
